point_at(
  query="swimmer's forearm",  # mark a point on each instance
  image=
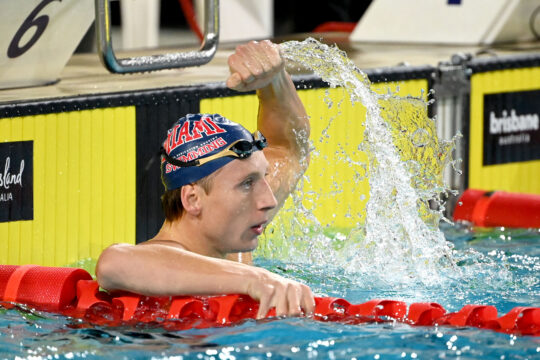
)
(157, 270)
(284, 122)
(282, 116)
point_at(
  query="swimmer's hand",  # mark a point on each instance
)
(254, 65)
(289, 297)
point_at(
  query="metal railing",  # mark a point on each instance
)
(156, 62)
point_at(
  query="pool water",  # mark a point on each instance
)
(482, 254)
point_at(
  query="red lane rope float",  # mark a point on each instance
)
(47, 289)
(71, 291)
(499, 208)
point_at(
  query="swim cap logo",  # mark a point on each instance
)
(196, 136)
(194, 154)
(189, 131)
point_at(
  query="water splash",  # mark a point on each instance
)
(400, 233)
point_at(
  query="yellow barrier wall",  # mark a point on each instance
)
(84, 186)
(515, 176)
(84, 172)
(333, 192)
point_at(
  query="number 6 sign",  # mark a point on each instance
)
(38, 38)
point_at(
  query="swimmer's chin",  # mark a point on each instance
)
(249, 247)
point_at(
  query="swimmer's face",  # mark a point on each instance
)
(236, 209)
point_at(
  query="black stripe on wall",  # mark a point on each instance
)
(153, 121)
(479, 65)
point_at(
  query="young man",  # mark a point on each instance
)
(222, 189)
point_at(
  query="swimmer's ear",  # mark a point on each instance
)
(191, 199)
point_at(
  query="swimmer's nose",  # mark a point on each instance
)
(267, 200)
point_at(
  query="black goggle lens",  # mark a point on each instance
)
(244, 148)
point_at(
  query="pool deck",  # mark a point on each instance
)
(85, 75)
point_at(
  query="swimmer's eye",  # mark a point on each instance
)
(247, 184)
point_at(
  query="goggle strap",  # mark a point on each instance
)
(259, 141)
(177, 162)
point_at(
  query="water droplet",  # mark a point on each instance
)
(420, 138)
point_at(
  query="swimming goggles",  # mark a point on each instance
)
(240, 149)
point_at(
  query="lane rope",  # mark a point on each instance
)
(82, 298)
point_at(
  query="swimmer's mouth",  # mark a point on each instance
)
(259, 228)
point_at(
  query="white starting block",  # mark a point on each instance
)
(140, 23)
(242, 20)
(468, 22)
(38, 38)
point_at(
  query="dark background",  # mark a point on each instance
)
(523, 102)
(22, 205)
(290, 16)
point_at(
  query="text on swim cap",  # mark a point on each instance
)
(189, 131)
(196, 153)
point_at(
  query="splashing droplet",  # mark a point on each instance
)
(398, 239)
(420, 138)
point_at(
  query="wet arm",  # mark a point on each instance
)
(161, 270)
(282, 117)
(283, 120)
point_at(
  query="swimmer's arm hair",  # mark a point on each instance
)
(162, 270)
(282, 117)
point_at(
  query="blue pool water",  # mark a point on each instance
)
(500, 267)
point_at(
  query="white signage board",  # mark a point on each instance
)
(38, 38)
(469, 22)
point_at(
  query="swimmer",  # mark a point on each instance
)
(222, 187)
